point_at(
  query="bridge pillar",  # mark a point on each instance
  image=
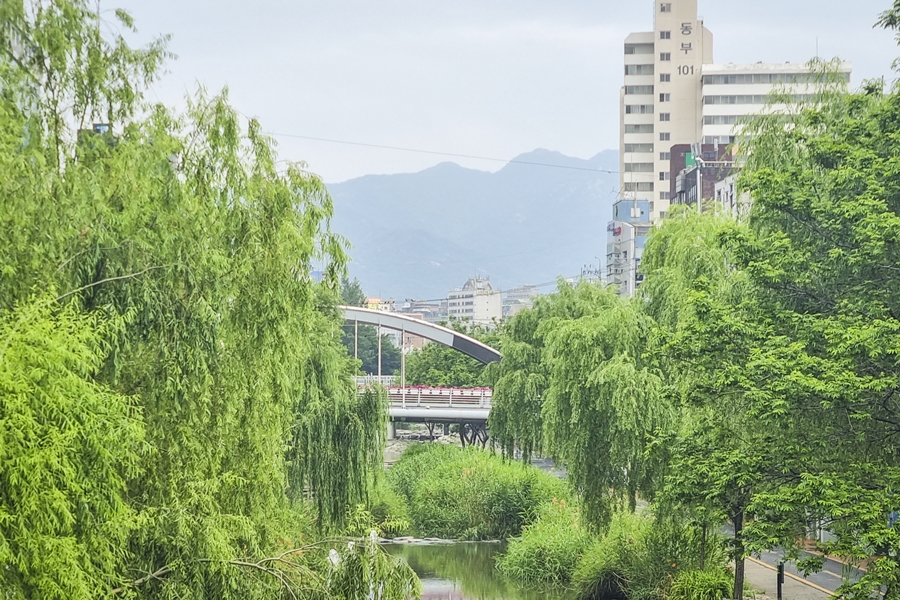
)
(391, 431)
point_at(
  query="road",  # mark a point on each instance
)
(761, 573)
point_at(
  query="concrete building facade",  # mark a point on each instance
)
(674, 94)
(626, 237)
(476, 301)
(660, 101)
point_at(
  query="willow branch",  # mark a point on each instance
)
(108, 279)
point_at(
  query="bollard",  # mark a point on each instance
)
(780, 580)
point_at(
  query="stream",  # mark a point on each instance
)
(465, 571)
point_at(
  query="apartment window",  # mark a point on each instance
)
(665, 155)
(663, 175)
(665, 97)
(665, 7)
(638, 90)
(638, 167)
(639, 69)
(638, 109)
(718, 139)
(664, 56)
(638, 48)
(664, 195)
(665, 116)
(638, 147)
(641, 186)
(665, 77)
(719, 119)
(662, 214)
(665, 137)
(665, 35)
(639, 128)
(767, 78)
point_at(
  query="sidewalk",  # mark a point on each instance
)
(763, 577)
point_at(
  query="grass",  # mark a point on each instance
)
(549, 549)
(469, 493)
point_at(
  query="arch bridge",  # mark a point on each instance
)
(468, 407)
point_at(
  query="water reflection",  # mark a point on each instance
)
(465, 572)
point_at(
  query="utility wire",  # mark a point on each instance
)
(420, 151)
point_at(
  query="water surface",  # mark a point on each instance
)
(465, 571)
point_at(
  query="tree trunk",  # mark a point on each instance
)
(739, 553)
(703, 548)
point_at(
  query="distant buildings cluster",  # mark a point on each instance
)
(680, 115)
(476, 302)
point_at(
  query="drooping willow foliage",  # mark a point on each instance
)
(574, 377)
(178, 256)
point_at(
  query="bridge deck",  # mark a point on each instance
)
(439, 405)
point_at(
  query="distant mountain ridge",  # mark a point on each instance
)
(416, 235)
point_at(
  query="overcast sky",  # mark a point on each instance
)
(491, 78)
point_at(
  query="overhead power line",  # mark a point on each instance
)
(435, 152)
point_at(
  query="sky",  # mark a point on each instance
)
(488, 78)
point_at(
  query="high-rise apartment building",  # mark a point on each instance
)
(676, 100)
(660, 101)
(734, 91)
(673, 94)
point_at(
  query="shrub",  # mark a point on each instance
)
(469, 493)
(701, 585)
(549, 548)
(639, 557)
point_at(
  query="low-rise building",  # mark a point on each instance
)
(519, 298)
(626, 236)
(476, 301)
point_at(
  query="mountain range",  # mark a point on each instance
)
(417, 235)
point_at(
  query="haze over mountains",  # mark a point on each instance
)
(417, 235)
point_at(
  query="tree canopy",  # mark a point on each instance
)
(161, 331)
(438, 365)
(754, 378)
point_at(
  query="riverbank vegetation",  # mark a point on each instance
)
(754, 378)
(177, 417)
(637, 556)
(471, 494)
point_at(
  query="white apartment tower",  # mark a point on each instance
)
(674, 94)
(661, 99)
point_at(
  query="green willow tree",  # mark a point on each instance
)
(180, 256)
(576, 360)
(68, 446)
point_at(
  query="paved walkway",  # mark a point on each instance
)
(763, 578)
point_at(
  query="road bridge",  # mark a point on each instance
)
(467, 407)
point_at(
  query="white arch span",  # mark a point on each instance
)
(436, 333)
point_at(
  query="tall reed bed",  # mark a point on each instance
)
(470, 493)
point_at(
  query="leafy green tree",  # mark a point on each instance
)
(364, 343)
(181, 228)
(441, 366)
(352, 292)
(823, 256)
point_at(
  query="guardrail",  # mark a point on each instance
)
(430, 397)
(385, 380)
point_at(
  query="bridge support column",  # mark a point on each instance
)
(391, 431)
(471, 434)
